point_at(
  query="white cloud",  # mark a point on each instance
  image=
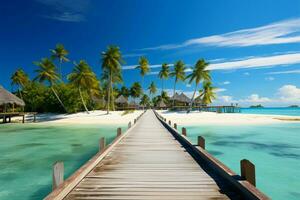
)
(270, 78)
(131, 55)
(258, 62)
(225, 83)
(282, 32)
(65, 10)
(289, 93)
(286, 72)
(286, 95)
(220, 90)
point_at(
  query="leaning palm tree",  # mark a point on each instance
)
(163, 74)
(47, 73)
(60, 53)
(20, 79)
(143, 67)
(84, 79)
(207, 93)
(111, 63)
(179, 74)
(199, 73)
(152, 89)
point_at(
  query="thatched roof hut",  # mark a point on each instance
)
(121, 100)
(161, 104)
(8, 98)
(184, 98)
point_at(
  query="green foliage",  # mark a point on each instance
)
(127, 112)
(136, 90)
(207, 94)
(143, 66)
(145, 100)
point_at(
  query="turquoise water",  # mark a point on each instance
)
(28, 152)
(272, 111)
(274, 149)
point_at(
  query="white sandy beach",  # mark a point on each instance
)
(211, 118)
(95, 117)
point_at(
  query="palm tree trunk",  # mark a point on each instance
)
(60, 71)
(20, 93)
(192, 100)
(61, 103)
(108, 95)
(83, 101)
(174, 93)
(143, 89)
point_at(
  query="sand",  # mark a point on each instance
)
(211, 118)
(95, 117)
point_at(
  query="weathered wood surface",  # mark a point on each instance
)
(148, 163)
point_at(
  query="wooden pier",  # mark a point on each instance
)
(152, 160)
(6, 117)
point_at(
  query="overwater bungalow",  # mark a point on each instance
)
(9, 103)
(181, 101)
(161, 105)
(121, 102)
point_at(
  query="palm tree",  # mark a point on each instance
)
(60, 53)
(136, 90)
(83, 78)
(207, 93)
(111, 63)
(47, 73)
(145, 100)
(178, 73)
(20, 79)
(164, 73)
(124, 91)
(200, 73)
(152, 89)
(144, 68)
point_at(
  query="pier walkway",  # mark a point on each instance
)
(145, 163)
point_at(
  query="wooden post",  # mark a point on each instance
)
(170, 122)
(102, 144)
(119, 132)
(248, 171)
(23, 120)
(34, 117)
(58, 174)
(129, 125)
(175, 125)
(134, 120)
(201, 142)
(183, 131)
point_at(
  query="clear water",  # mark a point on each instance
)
(274, 149)
(28, 151)
(272, 111)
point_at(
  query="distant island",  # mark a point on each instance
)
(256, 106)
(293, 106)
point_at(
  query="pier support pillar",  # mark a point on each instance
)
(201, 142)
(102, 144)
(183, 131)
(119, 132)
(58, 174)
(248, 171)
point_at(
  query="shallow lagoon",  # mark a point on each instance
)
(28, 151)
(274, 149)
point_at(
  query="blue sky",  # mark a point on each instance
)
(253, 45)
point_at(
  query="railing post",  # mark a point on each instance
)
(135, 120)
(119, 132)
(170, 122)
(248, 171)
(129, 125)
(58, 174)
(183, 131)
(102, 144)
(175, 125)
(201, 142)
